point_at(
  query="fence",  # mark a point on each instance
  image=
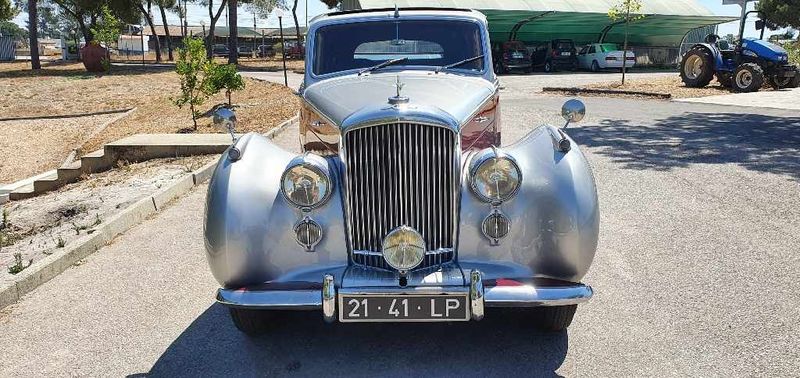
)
(8, 49)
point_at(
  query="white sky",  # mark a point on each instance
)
(316, 7)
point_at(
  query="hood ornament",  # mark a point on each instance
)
(398, 99)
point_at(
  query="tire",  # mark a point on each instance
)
(595, 66)
(725, 79)
(697, 67)
(776, 83)
(795, 81)
(548, 67)
(251, 322)
(554, 319)
(748, 77)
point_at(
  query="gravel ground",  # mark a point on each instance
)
(39, 225)
(31, 147)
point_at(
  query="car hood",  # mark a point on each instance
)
(342, 97)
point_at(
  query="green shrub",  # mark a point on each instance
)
(18, 265)
(794, 51)
(192, 67)
(223, 77)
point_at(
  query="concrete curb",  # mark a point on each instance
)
(47, 268)
(573, 91)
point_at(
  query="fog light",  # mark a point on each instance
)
(496, 226)
(308, 234)
(404, 248)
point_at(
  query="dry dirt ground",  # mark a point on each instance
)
(36, 227)
(29, 147)
(66, 88)
(667, 85)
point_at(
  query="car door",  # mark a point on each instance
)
(592, 55)
(583, 58)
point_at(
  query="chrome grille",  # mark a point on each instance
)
(401, 174)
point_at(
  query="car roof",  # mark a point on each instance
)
(408, 11)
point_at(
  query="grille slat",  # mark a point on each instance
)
(400, 174)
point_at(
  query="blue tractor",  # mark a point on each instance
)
(744, 68)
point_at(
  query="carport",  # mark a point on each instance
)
(666, 24)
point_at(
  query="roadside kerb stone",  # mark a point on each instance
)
(51, 266)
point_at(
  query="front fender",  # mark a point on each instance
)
(554, 216)
(249, 225)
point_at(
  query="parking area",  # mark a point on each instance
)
(694, 275)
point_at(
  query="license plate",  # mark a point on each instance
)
(566, 54)
(403, 308)
(517, 55)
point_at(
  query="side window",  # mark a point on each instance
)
(592, 50)
(584, 50)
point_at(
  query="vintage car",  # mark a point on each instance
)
(403, 205)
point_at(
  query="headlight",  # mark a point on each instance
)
(404, 248)
(495, 177)
(305, 185)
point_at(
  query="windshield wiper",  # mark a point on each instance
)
(381, 65)
(459, 63)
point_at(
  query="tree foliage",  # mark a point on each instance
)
(223, 77)
(332, 3)
(10, 29)
(192, 66)
(107, 28)
(782, 13)
(7, 10)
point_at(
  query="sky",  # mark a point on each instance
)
(198, 14)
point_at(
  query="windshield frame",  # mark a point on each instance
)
(311, 41)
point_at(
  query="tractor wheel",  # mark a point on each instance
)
(748, 77)
(776, 83)
(725, 79)
(795, 82)
(697, 67)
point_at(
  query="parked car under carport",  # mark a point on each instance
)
(600, 56)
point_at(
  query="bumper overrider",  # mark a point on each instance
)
(326, 296)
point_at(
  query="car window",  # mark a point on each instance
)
(564, 46)
(592, 50)
(608, 47)
(342, 47)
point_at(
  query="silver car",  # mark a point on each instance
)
(403, 206)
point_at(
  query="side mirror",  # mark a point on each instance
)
(225, 119)
(573, 111)
(760, 24)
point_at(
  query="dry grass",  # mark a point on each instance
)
(66, 88)
(668, 85)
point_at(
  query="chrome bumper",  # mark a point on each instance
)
(323, 295)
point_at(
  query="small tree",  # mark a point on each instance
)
(223, 77)
(781, 13)
(192, 66)
(627, 11)
(106, 31)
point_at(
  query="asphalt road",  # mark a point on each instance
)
(696, 274)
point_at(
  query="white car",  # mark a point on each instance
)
(599, 56)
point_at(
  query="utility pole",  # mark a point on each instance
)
(255, 32)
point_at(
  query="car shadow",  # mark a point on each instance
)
(756, 142)
(502, 344)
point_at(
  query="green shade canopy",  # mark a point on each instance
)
(666, 22)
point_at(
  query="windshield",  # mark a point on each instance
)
(425, 43)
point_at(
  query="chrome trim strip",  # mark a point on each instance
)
(271, 299)
(476, 294)
(531, 296)
(328, 298)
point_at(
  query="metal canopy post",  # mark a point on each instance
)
(512, 36)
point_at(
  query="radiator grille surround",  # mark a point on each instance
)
(401, 174)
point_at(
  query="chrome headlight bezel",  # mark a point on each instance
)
(315, 164)
(484, 157)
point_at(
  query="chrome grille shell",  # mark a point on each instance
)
(401, 173)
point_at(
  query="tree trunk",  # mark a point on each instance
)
(33, 35)
(149, 20)
(166, 31)
(296, 24)
(233, 28)
(214, 19)
(625, 47)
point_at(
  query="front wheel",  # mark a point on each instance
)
(778, 83)
(251, 322)
(553, 319)
(748, 77)
(795, 82)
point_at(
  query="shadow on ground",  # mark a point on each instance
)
(756, 142)
(501, 344)
(56, 69)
